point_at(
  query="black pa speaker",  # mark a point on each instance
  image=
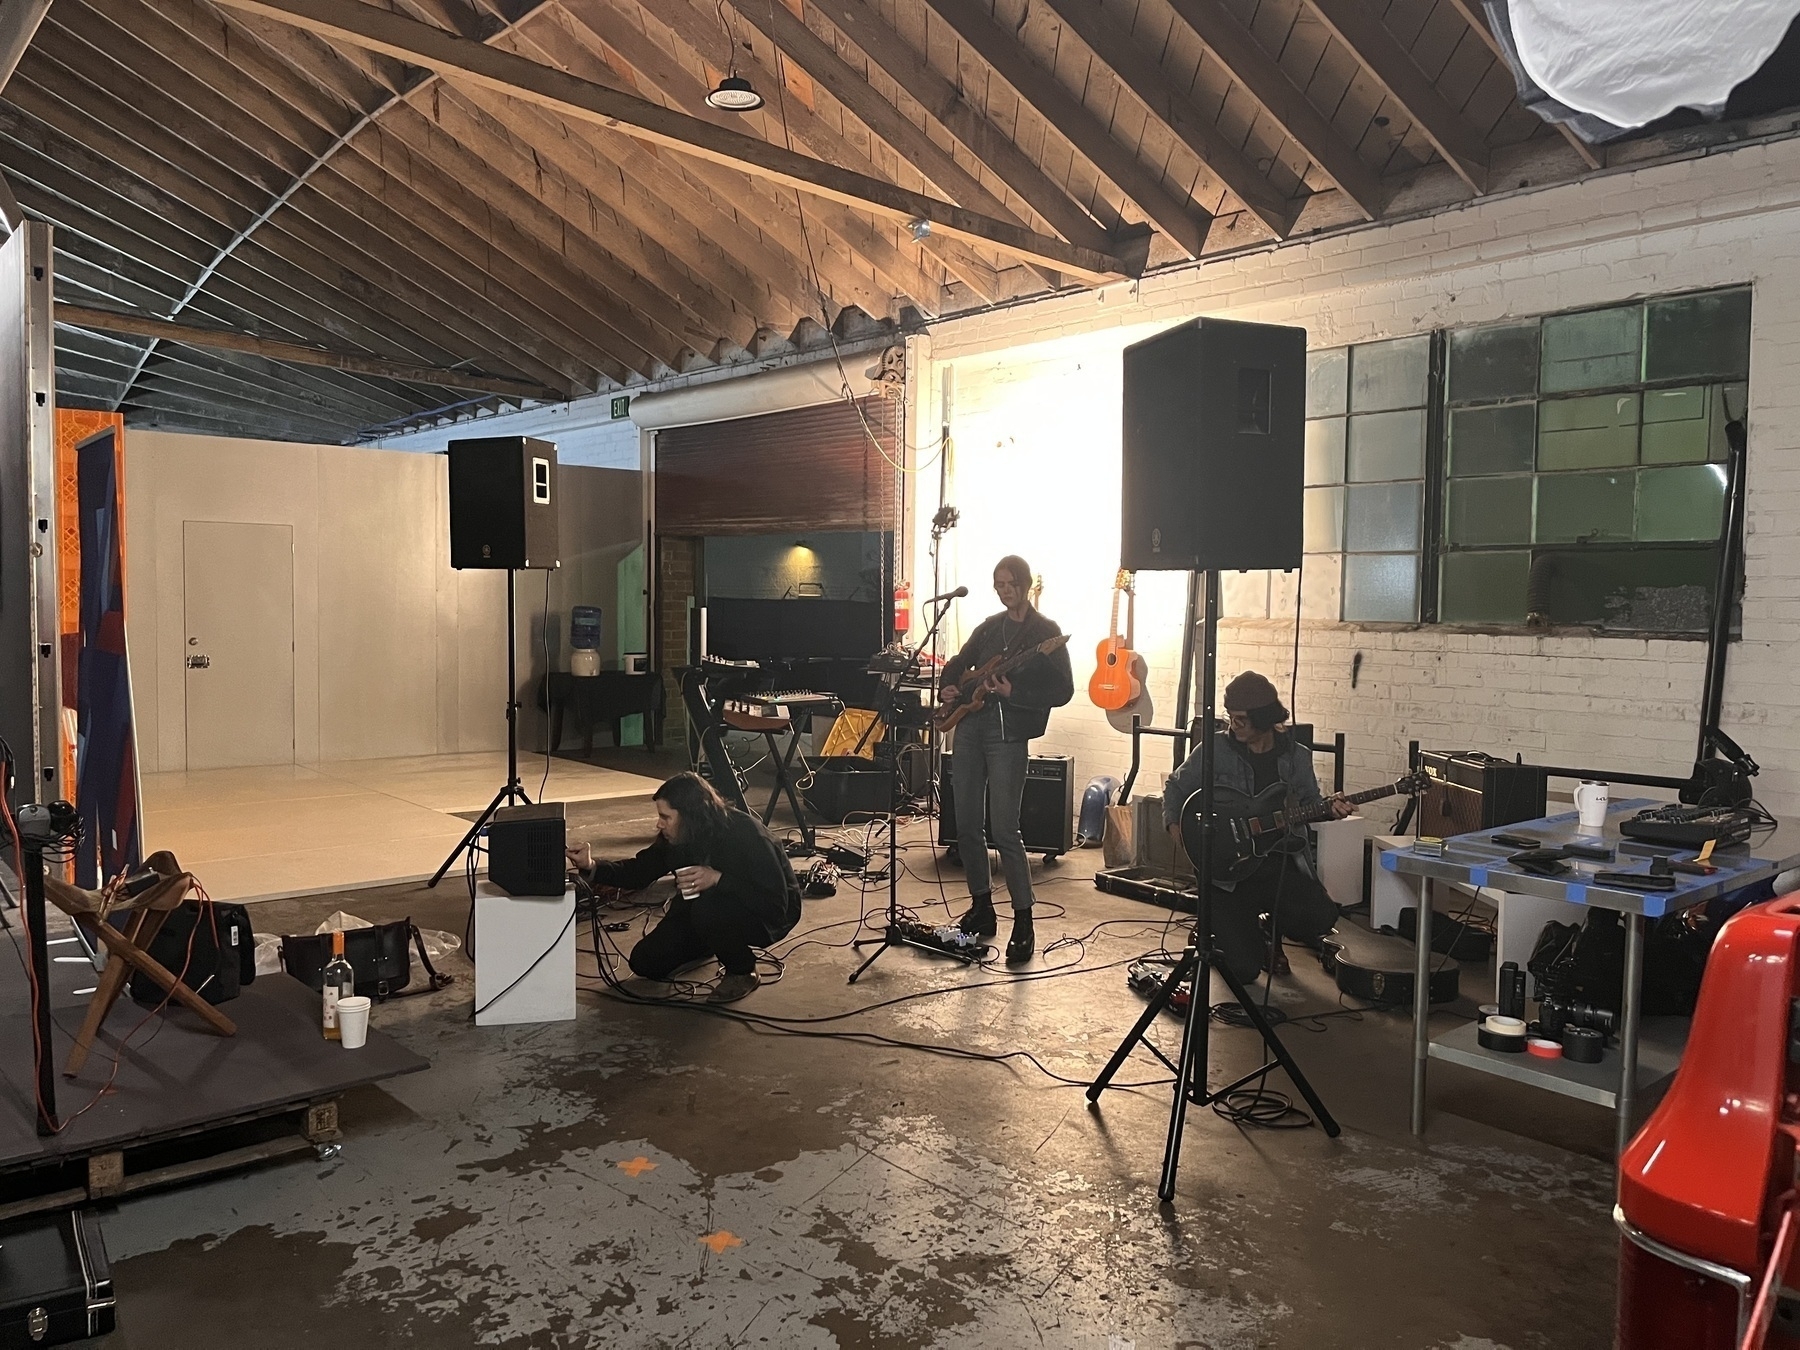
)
(503, 503)
(1214, 448)
(526, 849)
(1046, 815)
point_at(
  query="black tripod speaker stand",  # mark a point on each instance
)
(1199, 833)
(513, 790)
(892, 935)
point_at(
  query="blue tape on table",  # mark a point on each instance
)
(1388, 857)
(1478, 876)
(1576, 893)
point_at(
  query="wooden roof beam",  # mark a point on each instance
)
(19, 20)
(1185, 222)
(448, 55)
(1476, 18)
(1265, 81)
(1360, 29)
(134, 325)
(1145, 80)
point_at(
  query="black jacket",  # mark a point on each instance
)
(1042, 683)
(753, 870)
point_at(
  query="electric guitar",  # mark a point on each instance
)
(1251, 828)
(1115, 683)
(972, 687)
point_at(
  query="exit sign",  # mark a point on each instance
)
(621, 406)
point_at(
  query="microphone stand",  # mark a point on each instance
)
(892, 935)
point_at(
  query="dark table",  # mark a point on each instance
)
(610, 696)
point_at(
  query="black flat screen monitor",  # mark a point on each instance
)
(793, 630)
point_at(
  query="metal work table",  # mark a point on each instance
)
(1647, 1052)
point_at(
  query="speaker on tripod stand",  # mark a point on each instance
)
(503, 506)
(1214, 447)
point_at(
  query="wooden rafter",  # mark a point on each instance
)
(1183, 221)
(1144, 78)
(1476, 19)
(80, 316)
(1265, 81)
(433, 48)
(1360, 29)
(19, 20)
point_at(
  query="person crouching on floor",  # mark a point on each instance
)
(736, 887)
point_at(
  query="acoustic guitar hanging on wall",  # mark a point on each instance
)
(1116, 683)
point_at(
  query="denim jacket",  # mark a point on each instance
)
(1231, 769)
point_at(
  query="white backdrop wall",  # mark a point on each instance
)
(394, 652)
(1036, 459)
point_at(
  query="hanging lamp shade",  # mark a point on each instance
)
(735, 94)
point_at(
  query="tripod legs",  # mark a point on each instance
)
(503, 797)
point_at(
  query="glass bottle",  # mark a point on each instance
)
(340, 982)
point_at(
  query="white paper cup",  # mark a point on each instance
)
(1590, 805)
(353, 1021)
(682, 886)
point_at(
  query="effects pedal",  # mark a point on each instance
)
(1147, 978)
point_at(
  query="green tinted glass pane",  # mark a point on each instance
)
(1386, 446)
(1324, 519)
(1591, 350)
(1327, 382)
(1684, 503)
(1493, 440)
(1381, 587)
(1483, 587)
(1588, 433)
(1382, 517)
(1389, 374)
(1677, 425)
(1591, 506)
(1490, 363)
(1325, 451)
(1659, 590)
(1697, 335)
(1488, 511)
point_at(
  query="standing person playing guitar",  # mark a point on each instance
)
(993, 744)
(1253, 754)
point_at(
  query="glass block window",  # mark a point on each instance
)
(1583, 467)
(1366, 433)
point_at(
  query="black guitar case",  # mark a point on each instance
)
(1379, 969)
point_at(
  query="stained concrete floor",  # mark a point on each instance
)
(655, 1176)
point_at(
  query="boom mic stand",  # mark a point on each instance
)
(1197, 961)
(513, 789)
(892, 935)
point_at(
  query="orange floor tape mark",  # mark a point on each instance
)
(637, 1167)
(720, 1240)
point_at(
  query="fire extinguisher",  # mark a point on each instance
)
(903, 608)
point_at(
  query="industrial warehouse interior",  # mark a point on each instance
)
(1113, 674)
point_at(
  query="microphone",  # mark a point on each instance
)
(956, 594)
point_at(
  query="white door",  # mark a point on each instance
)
(239, 653)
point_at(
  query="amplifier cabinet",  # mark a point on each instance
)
(1047, 817)
(1470, 791)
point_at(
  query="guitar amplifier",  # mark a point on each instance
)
(1047, 816)
(1471, 791)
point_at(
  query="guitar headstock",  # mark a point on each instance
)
(1415, 782)
(1125, 581)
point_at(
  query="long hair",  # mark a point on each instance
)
(702, 811)
(1017, 568)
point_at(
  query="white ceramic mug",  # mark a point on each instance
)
(1590, 805)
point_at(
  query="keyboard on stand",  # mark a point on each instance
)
(794, 703)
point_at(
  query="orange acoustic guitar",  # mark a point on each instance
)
(1116, 684)
(972, 689)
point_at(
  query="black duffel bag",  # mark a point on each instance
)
(379, 956)
(210, 946)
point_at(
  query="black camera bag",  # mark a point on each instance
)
(215, 960)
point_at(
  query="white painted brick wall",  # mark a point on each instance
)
(1036, 467)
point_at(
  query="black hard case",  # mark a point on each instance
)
(55, 1283)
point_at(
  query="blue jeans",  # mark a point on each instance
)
(989, 775)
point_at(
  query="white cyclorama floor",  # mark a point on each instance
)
(301, 829)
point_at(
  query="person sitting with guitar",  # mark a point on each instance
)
(992, 746)
(1254, 754)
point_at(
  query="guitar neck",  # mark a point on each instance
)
(1322, 811)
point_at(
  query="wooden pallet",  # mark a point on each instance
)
(171, 1160)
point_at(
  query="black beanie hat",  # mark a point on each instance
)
(1249, 691)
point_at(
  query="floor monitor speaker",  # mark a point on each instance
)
(525, 849)
(1214, 447)
(503, 503)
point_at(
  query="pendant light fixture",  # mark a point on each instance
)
(733, 93)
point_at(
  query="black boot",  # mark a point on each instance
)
(980, 920)
(1023, 942)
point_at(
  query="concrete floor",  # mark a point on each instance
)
(653, 1176)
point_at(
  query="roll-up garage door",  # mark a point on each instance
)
(829, 467)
